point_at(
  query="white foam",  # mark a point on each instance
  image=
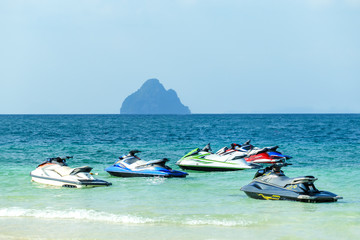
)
(224, 223)
(98, 216)
(76, 214)
(155, 180)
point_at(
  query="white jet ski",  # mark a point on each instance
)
(254, 154)
(55, 171)
(205, 160)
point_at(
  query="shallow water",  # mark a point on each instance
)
(201, 206)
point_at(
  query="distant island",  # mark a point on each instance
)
(153, 98)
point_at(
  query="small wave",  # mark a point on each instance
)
(98, 216)
(155, 180)
(77, 214)
(224, 223)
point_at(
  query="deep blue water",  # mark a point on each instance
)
(173, 135)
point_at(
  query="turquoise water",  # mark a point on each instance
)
(201, 206)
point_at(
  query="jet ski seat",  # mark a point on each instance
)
(283, 180)
(64, 170)
(304, 179)
(160, 162)
(221, 151)
(85, 169)
(239, 156)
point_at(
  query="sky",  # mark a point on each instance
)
(220, 56)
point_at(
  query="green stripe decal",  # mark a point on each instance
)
(208, 161)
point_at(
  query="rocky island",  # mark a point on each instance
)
(153, 98)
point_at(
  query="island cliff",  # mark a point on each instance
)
(153, 98)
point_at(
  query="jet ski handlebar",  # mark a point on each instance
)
(247, 142)
(59, 158)
(279, 165)
(207, 148)
(133, 152)
(276, 167)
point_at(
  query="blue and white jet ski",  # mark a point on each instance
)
(132, 166)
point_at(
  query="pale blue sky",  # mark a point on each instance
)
(236, 56)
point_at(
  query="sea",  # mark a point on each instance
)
(204, 205)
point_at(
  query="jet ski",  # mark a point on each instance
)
(254, 154)
(205, 160)
(55, 171)
(271, 183)
(132, 166)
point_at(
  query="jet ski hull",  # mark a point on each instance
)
(201, 160)
(210, 168)
(260, 190)
(70, 183)
(120, 172)
(266, 158)
(216, 166)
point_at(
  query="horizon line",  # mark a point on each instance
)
(305, 113)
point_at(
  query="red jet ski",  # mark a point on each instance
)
(253, 154)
